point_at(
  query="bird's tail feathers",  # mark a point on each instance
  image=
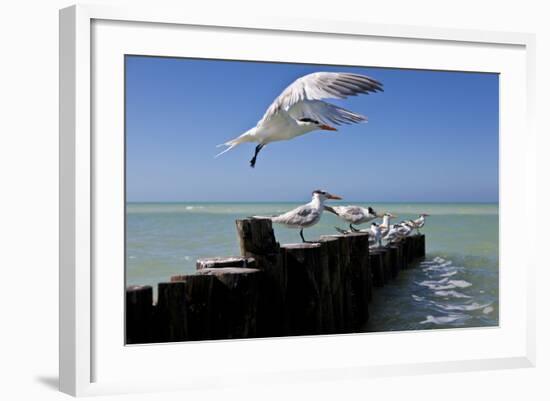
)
(229, 147)
(246, 137)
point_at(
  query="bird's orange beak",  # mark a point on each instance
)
(327, 128)
(334, 197)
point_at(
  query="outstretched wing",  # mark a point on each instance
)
(322, 85)
(324, 113)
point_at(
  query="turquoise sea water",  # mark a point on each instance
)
(455, 286)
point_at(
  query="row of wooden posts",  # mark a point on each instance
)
(270, 290)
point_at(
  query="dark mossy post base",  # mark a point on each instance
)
(270, 290)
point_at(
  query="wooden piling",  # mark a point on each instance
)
(360, 276)
(230, 261)
(408, 247)
(270, 290)
(376, 265)
(171, 312)
(220, 302)
(238, 301)
(342, 282)
(420, 246)
(386, 264)
(303, 293)
(394, 260)
(202, 311)
(139, 314)
(331, 286)
(257, 241)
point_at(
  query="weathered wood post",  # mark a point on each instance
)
(139, 314)
(332, 307)
(360, 276)
(303, 293)
(377, 268)
(257, 240)
(405, 245)
(220, 302)
(420, 245)
(341, 283)
(227, 261)
(409, 251)
(201, 314)
(171, 312)
(238, 303)
(386, 264)
(394, 260)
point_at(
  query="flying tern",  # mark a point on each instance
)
(299, 109)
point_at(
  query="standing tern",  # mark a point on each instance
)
(397, 232)
(306, 215)
(354, 214)
(385, 226)
(419, 223)
(299, 109)
(375, 234)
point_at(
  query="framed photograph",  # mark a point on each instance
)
(277, 200)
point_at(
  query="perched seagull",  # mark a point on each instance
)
(299, 109)
(353, 214)
(397, 232)
(392, 234)
(304, 216)
(405, 229)
(419, 223)
(375, 234)
(385, 226)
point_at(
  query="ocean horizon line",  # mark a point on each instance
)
(302, 201)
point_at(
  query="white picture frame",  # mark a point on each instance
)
(84, 355)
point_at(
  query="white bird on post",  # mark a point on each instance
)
(303, 216)
(354, 214)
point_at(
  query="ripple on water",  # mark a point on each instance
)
(444, 295)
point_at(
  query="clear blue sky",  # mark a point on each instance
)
(431, 135)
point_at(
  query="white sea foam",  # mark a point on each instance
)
(488, 310)
(417, 298)
(449, 274)
(452, 294)
(444, 284)
(444, 319)
(439, 268)
(193, 207)
(460, 283)
(467, 307)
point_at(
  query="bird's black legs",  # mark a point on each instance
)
(253, 160)
(353, 229)
(303, 239)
